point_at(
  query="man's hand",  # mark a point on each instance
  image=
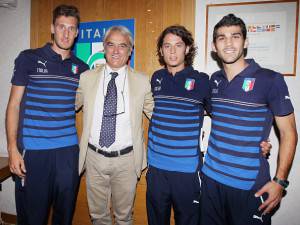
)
(266, 147)
(274, 191)
(16, 163)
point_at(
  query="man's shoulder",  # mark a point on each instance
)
(216, 74)
(92, 72)
(199, 75)
(137, 74)
(29, 54)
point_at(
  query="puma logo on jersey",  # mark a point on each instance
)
(159, 81)
(217, 82)
(258, 217)
(43, 63)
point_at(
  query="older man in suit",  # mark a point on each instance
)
(114, 98)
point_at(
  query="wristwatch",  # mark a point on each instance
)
(283, 183)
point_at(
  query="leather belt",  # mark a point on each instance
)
(112, 153)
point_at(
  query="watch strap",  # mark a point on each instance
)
(283, 183)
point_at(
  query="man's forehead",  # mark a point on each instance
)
(66, 19)
(172, 38)
(229, 29)
(117, 37)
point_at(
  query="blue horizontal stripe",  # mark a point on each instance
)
(239, 109)
(233, 159)
(50, 89)
(48, 114)
(168, 142)
(257, 119)
(177, 109)
(172, 152)
(177, 117)
(238, 172)
(236, 148)
(173, 124)
(50, 97)
(48, 133)
(174, 102)
(49, 143)
(186, 165)
(230, 181)
(50, 105)
(235, 137)
(55, 82)
(30, 122)
(175, 133)
(236, 127)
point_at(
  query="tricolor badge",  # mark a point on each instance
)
(189, 84)
(74, 68)
(248, 84)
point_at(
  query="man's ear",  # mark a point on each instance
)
(129, 51)
(213, 47)
(52, 28)
(187, 50)
(161, 52)
(246, 44)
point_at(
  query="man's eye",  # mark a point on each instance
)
(123, 46)
(72, 29)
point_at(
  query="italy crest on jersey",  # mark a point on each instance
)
(248, 84)
(74, 68)
(189, 84)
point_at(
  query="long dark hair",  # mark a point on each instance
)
(186, 37)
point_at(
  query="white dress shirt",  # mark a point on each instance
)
(123, 126)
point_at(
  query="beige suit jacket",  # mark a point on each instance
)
(140, 100)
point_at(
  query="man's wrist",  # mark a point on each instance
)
(281, 182)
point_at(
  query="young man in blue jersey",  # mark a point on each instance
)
(246, 98)
(181, 94)
(40, 125)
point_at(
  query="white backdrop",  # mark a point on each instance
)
(15, 37)
(288, 213)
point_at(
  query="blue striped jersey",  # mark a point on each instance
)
(47, 112)
(242, 116)
(180, 100)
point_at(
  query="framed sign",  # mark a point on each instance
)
(272, 31)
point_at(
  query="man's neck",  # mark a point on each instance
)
(234, 69)
(64, 53)
(175, 69)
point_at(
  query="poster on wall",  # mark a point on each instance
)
(89, 44)
(271, 31)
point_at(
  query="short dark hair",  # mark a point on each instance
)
(186, 37)
(227, 21)
(66, 10)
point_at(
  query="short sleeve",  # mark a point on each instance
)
(20, 74)
(279, 98)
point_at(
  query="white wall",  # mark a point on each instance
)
(290, 206)
(15, 37)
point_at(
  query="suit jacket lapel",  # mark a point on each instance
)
(131, 93)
